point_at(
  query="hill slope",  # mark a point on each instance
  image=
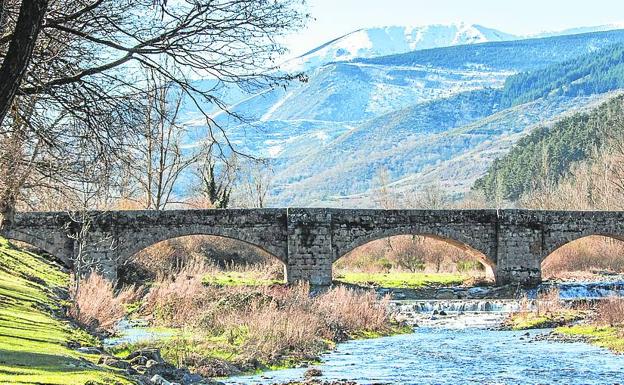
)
(548, 153)
(381, 41)
(328, 137)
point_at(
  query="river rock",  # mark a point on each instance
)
(446, 294)
(151, 363)
(89, 350)
(150, 354)
(159, 380)
(139, 361)
(313, 372)
(114, 362)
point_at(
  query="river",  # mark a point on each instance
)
(462, 347)
(455, 356)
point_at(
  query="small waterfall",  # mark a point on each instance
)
(582, 290)
(459, 306)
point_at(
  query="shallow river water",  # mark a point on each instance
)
(440, 356)
(463, 347)
(460, 347)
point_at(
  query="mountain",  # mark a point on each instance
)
(430, 116)
(579, 30)
(392, 40)
(382, 41)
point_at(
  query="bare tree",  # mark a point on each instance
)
(158, 157)
(21, 45)
(430, 197)
(408, 252)
(254, 184)
(385, 198)
(93, 192)
(74, 69)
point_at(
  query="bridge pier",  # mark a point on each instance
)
(519, 251)
(310, 254)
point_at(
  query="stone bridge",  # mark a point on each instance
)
(511, 243)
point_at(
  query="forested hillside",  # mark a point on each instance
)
(592, 73)
(548, 153)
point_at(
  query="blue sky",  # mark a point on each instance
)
(337, 17)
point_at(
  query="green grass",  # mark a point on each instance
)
(32, 340)
(526, 321)
(395, 330)
(401, 280)
(611, 338)
(234, 278)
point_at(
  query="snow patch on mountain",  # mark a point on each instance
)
(381, 41)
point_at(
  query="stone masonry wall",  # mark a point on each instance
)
(512, 243)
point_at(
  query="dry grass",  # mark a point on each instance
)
(584, 257)
(176, 298)
(265, 324)
(96, 306)
(610, 312)
(348, 311)
(548, 302)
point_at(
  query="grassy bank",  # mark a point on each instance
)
(530, 320)
(602, 325)
(547, 311)
(33, 340)
(605, 328)
(400, 280)
(609, 337)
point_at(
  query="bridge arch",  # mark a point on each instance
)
(61, 247)
(464, 246)
(143, 241)
(583, 255)
(554, 245)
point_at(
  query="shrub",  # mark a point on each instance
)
(548, 302)
(348, 311)
(95, 305)
(264, 324)
(610, 312)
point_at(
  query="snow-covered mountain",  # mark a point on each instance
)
(578, 30)
(391, 40)
(382, 41)
(426, 116)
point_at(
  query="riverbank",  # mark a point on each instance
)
(599, 322)
(219, 330)
(37, 344)
(453, 354)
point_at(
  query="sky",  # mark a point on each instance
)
(334, 18)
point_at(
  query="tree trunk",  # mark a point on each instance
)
(7, 210)
(12, 71)
(15, 64)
